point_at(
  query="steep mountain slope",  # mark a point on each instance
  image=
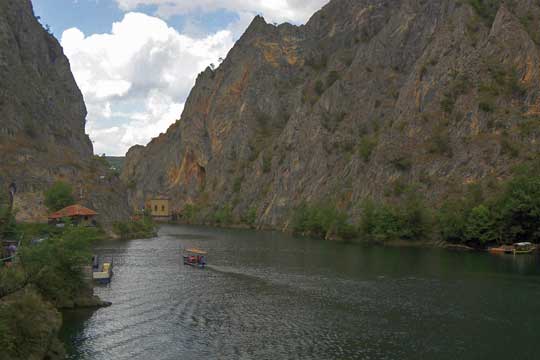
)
(368, 97)
(42, 121)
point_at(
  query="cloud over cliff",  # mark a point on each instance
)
(136, 78)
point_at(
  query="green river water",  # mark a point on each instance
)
(272, 296)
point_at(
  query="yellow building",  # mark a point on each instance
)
(159, 207)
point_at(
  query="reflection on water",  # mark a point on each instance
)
(271, 296)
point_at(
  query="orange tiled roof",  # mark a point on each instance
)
(73, 210)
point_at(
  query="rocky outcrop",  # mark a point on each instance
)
(42, 122)
(369, 97)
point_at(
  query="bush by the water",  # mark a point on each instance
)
(139, 228)
(55, 265)
(223, 216)
(27, 326)
(408, 220)
(59, 196)
(322, 222)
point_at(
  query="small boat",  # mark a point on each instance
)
(524, 248)
(195, 257)
(516, 249)
(504, 249)
(102, 271)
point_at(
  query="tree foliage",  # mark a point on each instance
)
(27, 325)
(322, 222)
(55, 266)
(510, 214)
(407, 220)
(59, 196)
(142, 228)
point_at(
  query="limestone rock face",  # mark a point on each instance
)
(42, 122)
(366, 98)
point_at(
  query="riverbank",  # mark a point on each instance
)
(48, 274)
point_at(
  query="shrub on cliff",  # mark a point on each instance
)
(59, 196)
(250, 218)
(191, 213)
(486, 9)
(223, 216)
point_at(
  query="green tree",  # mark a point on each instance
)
(481, 225)
(519, 209)
(322, 221)
(55, 266)
(251, 217)
(224, 216)
(190, 212)
(451, 220)
(407, 220)
(59, 196)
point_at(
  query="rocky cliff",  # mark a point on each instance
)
(42, 122)
(368, 97)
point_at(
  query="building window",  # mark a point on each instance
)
(155, 208)
(163, 208)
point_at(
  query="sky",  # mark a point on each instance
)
(136, 61)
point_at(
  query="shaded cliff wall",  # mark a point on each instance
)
(42, 122)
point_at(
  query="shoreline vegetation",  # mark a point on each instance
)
(474, 217)
(138, 227)
(49, 273)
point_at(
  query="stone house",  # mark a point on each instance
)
(159, 208)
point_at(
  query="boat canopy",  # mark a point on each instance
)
(196, 251)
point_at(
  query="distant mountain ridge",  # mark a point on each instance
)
(366, 99)
(116, 162)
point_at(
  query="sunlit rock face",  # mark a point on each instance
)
(42, 122)
(369, 97)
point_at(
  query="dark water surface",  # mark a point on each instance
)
(272, 296)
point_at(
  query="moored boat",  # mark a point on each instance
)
(516, 249)
(195, 257)
(504, 249)
(102, 270)
(524, 248)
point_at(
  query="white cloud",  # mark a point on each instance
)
(135, 80)
(296, 11)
